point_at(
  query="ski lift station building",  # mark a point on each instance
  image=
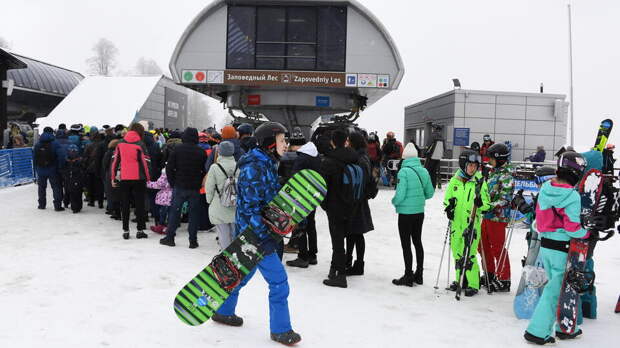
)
(290, 61)
(527, 120)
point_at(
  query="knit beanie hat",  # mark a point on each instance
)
(410, 151)
(226, 148)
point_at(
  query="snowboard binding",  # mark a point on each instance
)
(227, 274)
(278, 220)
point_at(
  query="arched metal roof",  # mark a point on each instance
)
(44, 78)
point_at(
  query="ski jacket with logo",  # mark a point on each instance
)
(558, 212)
(501, 188)
(131, 156)
(413, 189)
(465, 193)
(257, 185)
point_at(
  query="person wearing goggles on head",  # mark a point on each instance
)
(459, 201)
(501, 186)
(487, 143)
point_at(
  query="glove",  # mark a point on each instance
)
(596, 223)
(520, 203)
(478, 201)
(450, 209)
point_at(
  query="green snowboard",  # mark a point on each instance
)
(207, 291)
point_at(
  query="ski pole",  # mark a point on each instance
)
(504, 254)
(443, 251)
(449, 270)
(484, 263)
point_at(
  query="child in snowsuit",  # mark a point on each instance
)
(74, 178)
(459, 201)
(162, 200)
(496, 220)
(258, 185)
(558, 220)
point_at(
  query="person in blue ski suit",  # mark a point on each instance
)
(558, 211)
(257, 185)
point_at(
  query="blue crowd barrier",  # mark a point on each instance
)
(16, 167)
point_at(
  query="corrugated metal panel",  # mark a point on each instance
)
(44, 77)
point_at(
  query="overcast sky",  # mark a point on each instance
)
(487, 44)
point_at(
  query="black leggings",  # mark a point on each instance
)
(410, 229)
(135, 189)
(358, 242)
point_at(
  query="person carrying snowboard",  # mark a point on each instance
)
(496, 220)
(459, 201)
(558, 220)
(256, 186)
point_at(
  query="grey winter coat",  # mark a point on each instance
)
(219, 214)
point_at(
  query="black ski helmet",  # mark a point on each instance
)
(466, 157)
(266, 133)
(571, 166)
(499, 152)
(475, 146)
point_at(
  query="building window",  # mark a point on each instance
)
(287, 38)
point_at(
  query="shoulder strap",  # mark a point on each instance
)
(223, 170)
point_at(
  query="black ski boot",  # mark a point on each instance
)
(332, 272)
(417, 277)
(537, 340)
(563, 336)
(141, 235)
(499, 285)
(356, 270)
(312, 260)
(339, 280)
(453, 286)
(298, 262)
(125, 234)
(230, 320)
(288, 338)
(469, 292)
(167, 241)
(193, 244)
(406, 280)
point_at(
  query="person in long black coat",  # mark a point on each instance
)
(362, 220)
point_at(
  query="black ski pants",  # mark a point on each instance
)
(338, 229)
(410, 230)
(307, 241)
(75, 198)
(137, 190)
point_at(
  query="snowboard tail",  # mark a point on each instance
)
(202, 296)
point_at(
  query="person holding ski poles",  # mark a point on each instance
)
(493, 239)
(459, 202)
(558, 211)
(256, 186)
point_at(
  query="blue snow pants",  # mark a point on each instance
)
(274, 273)
(543, 321)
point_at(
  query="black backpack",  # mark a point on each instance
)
(45, 155)
(353, 184)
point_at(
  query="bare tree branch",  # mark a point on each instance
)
(148, 66)
(104, 60)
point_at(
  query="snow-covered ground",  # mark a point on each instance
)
(71, 281)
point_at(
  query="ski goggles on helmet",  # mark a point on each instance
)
(486, 138)
(474, 158)
(577, 163)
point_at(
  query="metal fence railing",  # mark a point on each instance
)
(16, 167)
(448, 167)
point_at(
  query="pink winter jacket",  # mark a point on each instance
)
(164, 196)
(132, 158)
